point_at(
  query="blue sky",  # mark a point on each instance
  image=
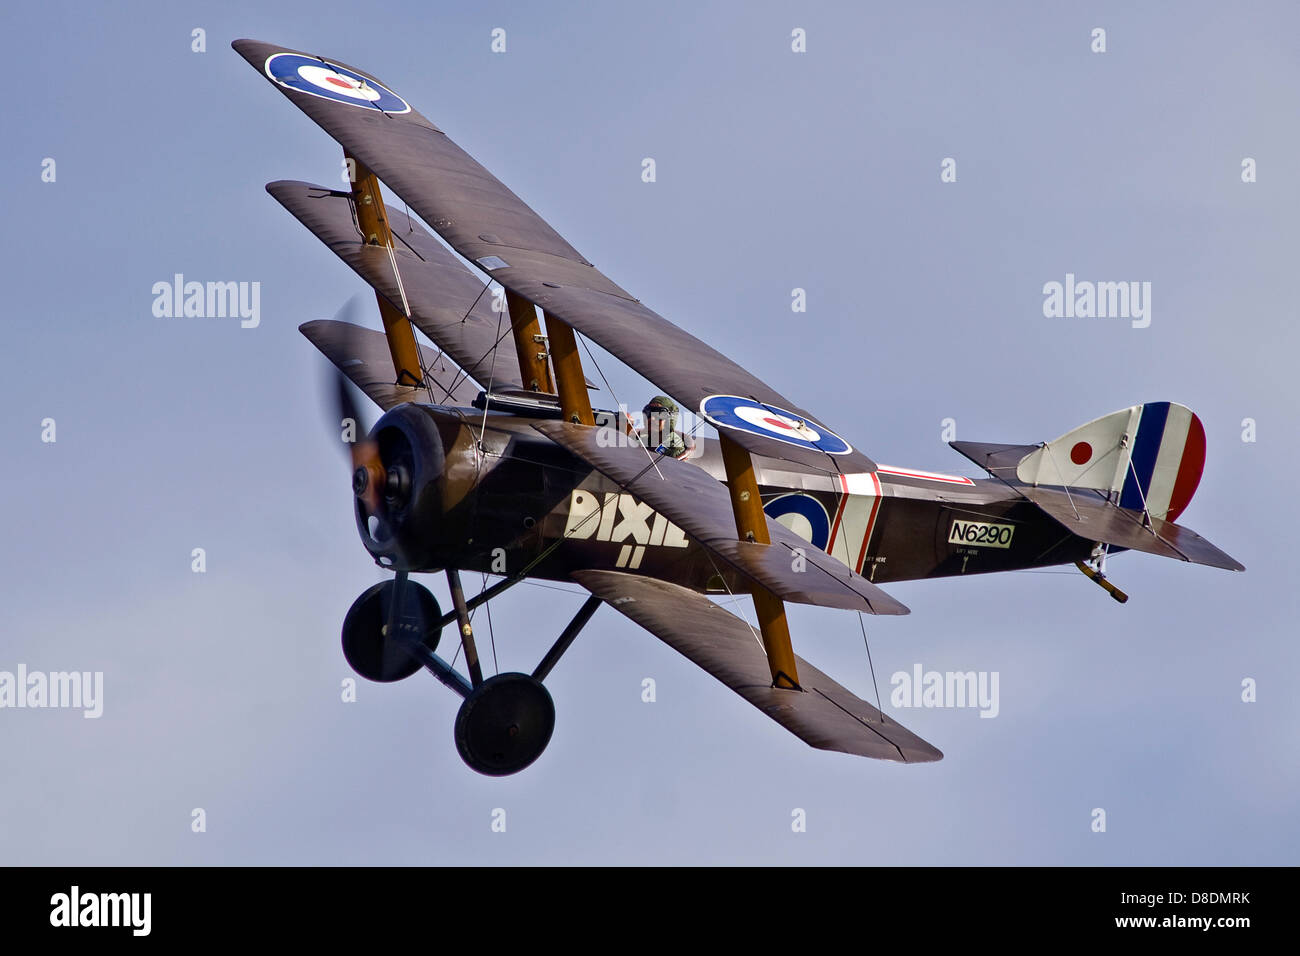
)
(775, 170)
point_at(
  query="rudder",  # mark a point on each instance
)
(1149, 457)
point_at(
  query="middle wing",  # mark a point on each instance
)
(448, 302)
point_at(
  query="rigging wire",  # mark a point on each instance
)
(491, 633)
(463, 374)
(617, 405)
(862, 624)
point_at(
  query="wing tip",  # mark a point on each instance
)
(893, 609)
(915, 755)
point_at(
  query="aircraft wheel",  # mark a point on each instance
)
(373, 654)
(504, 724)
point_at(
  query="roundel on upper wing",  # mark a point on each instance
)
(802, 514)
(310, 74)
(746, 415)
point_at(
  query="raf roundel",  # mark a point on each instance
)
(746, 415)
(804, 515)
(317, 77)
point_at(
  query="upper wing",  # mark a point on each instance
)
(487, 223)
(824, 714)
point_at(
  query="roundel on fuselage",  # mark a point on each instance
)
(802, 514)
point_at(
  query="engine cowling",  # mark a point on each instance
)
(406, 490)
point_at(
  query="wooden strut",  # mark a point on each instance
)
(530, 344)
(751, 525)
(373, 222)
(575, 405)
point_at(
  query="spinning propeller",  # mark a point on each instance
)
(381, 486)
(386, 626)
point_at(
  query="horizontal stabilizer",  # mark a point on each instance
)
(363, 356)
(1084, 514)
(998, 460)
(824, 714)
(699, 504)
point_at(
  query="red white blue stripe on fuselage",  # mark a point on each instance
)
(924, 475)
(848, 532)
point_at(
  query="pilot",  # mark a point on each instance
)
(660, 432)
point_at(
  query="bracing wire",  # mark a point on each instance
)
(867, 644)
(617, 403)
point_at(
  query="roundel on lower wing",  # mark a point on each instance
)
(317, 77)
(804, 515)
(768, 421)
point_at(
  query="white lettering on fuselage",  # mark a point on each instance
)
(620, 519)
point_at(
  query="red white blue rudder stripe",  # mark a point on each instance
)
(1166, 463)
(1148, 457)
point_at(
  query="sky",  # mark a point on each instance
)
(775, 170)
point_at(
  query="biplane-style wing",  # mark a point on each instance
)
(824, 714)
(488, 224)
(447, 301)
(698, 503)
(362, 355)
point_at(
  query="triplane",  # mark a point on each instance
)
(492, 459)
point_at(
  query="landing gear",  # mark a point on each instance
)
(379, 652)
(504, 724)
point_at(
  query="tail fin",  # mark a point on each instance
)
(1145, 461)
(1149, 457)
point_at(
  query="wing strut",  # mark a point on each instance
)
(751, 525)
(575, 406)
(530, 344)
(538, 353)
(373, 222)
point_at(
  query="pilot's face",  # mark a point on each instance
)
(658, 420)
